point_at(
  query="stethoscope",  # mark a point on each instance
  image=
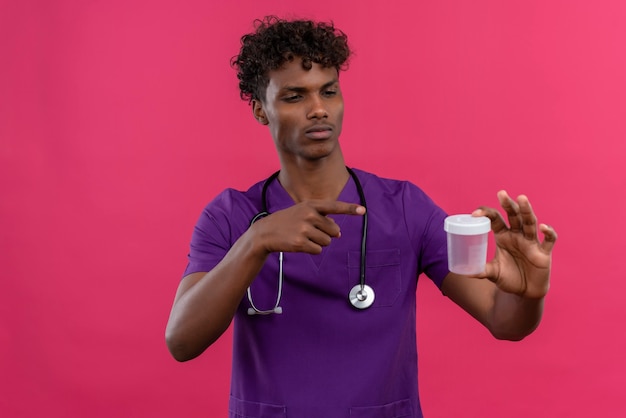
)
(361, 296)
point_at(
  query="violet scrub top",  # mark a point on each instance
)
(322, 357)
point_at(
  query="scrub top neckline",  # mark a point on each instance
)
(279, 199)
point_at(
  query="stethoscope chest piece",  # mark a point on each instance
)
(362, 296)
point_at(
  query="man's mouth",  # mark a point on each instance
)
(319, 132)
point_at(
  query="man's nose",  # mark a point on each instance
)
(317, 109)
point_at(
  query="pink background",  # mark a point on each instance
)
(120, 120)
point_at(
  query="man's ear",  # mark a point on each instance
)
(259, 113)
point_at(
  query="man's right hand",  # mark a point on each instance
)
(304, 227)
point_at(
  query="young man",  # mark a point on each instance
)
(324, 302)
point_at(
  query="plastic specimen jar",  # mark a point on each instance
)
(467, 243)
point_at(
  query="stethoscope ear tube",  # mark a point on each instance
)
(277, 309)
(258, 216)
(253, 310)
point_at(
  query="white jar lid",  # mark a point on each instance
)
(467, 224)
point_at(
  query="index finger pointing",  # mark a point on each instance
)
(327, 207)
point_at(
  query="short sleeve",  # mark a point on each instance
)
(212, 235)
(205, 251)
(426, 219)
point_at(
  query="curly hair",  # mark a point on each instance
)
(276, 41)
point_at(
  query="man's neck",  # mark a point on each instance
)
(320, 180)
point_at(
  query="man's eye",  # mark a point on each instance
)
(330, 93)
(293, 98)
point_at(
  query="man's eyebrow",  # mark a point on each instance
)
(295, 89)
(329, 84)
(299, 89)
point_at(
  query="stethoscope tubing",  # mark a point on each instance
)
(361, 296)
